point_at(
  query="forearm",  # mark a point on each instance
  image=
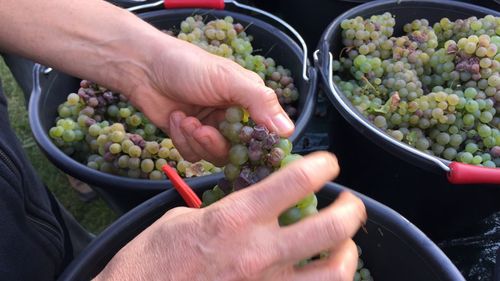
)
(90, 39)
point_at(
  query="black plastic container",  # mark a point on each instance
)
(404, 11)
(124, 193)
(416, 189)
(393, 248)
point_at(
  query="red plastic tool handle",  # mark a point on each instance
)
(179, 4)
(191, 199)
(461, 173)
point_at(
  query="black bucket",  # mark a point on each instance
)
(123, 193)
(392, 246)
(415, 188)
(407, 10)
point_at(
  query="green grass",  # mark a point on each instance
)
(94, 215)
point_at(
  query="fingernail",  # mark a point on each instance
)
(283, 123)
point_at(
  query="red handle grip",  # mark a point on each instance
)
(179, 4)
(191, 199)
(461, 173)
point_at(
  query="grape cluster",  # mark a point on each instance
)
(434, 88)
(462, 28)
(255, 153)
(103, 130)
(225, 38)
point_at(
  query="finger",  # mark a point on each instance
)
(212, 141)
(340, 265)
(262, 104)
(276, 193)
(178, 138)
(205, 141)
(332, 225)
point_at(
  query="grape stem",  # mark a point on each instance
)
(346, 49)
(371, 85)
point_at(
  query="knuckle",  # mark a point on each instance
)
(336, 227)
(225, 221)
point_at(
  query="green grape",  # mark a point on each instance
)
(147, 165)
(290, 216)
(289, 159)
(231, 171)
(68, 136)
(73, 99)
(115, 148)
(484, 131)
(238, 154)
(135, 151)
(234, 114)
(156, 175)
(56, 132)
(471, 147)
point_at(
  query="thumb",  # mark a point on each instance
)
(263, 105)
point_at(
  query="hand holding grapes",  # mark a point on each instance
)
(187, 91)
(238, 238)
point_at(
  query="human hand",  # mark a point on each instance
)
(187, 91)
(238, 237)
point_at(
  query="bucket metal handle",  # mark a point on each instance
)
(458, 173)
(219, 4)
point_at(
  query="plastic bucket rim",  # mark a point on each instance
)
(64, 162)
(341, 102)
(413, 237)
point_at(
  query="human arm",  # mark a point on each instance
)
(166, 78)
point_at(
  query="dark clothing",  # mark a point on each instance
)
(35, 243)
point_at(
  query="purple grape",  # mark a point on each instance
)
(275, 156)
(260, 132)
(262, 172)
(246, 134)
(225, 185)
(270, 140)
(109, 157)
(495, 151)
(93, 102)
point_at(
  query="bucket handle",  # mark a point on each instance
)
(461, 173)
(457, 173)
(219, 5)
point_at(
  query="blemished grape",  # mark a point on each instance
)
(434, 86)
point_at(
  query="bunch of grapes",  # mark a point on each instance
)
(225, 38)
(462, 28)
(434, 88)
(103, 130)
(255, 153)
